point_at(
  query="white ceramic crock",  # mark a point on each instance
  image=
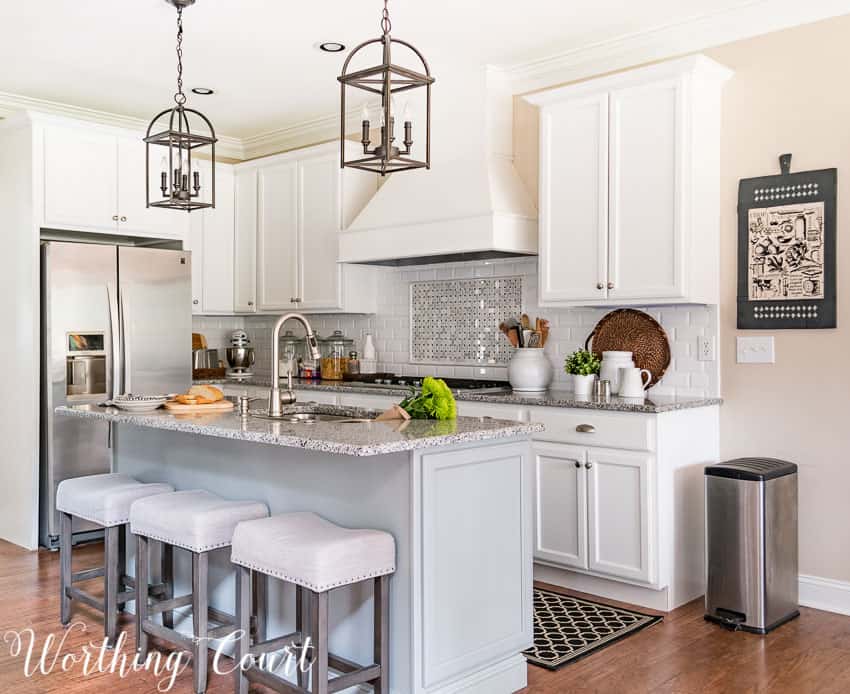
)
(612, 362)
(582, 385)
(530, 370)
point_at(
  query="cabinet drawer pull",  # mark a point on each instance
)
(588, 465)
(586, 429)
(610, 285)
(195, 302)
(599, 285)
(578, 464)
(123, 219)
(250, 303)
(115, 218)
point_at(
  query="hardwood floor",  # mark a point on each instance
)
(681, 655)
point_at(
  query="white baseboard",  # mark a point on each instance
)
(825, 594)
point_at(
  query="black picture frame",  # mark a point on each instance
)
(787, 250)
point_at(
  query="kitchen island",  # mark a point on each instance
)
(456, 495)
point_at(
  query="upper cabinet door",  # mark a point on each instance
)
(245, 242)
(574, 199)
(319, 273)
(560, 528)
(646, 258)
(218, 242)
(80, 179)
(277, 236)
(134, 217)
(620, 512)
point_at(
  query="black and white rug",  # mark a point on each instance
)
(567, 628)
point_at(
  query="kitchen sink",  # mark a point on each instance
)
(306, 414)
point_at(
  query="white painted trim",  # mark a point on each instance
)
(689, 36)
(825, 594)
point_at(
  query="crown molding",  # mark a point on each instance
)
(681, 38)
(229, 147)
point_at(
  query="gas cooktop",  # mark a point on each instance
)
(456, 384)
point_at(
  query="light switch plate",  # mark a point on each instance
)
(756, 350)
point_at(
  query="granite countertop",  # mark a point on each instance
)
(355, 439)
(551, 398)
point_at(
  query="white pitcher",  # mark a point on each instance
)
(612, 362)
(632, 383)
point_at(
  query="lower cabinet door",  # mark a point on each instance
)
(560, 527)
(620, 511)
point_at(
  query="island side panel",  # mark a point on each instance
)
(472, 567)
(367, 492)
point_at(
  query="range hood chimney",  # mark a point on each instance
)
(468, 207)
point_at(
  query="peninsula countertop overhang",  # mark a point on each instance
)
(354, 439)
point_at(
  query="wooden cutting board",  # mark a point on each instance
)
(179, 408)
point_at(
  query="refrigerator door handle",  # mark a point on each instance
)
(125, 346)
(113, 371)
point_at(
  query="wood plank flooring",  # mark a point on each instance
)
(682, 655)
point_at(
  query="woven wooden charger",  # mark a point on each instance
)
(630, 330)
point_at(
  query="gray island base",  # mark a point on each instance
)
(456, 496)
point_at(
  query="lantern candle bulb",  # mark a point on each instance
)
(365, 128)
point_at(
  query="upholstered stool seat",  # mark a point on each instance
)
(105, 500)
(199, 522)
(317, 556)
(195, 520)
(312, 552)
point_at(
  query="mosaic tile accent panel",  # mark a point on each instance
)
(457, 321)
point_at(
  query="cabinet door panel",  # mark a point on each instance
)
(218, 244)
(646, 227)
(573, 200)
(195, 243)
(135, 218)
(277, 245)
(560, 532)
(319, 273)
(245, 245)
(620, 512)
(80, 179)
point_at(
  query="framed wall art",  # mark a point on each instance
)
(786, 249)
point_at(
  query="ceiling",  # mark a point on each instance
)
(259, 55)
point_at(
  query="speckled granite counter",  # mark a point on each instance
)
(551, 398)
(342, 438)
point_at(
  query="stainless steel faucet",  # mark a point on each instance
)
(276, 400)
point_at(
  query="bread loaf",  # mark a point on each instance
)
(206, 394)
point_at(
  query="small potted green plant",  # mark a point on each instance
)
(584, 366)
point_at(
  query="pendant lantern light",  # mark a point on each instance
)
(181, 131)
(386, 80)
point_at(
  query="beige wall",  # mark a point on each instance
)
(789, 94)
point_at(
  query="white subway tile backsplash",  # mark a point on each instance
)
(390, 328)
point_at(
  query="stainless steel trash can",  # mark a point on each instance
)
(751, 543)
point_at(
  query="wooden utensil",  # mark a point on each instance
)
(526, 321)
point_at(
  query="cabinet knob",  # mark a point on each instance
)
(123, 219)
(195, 302)
(297, 299)
(610, 285)
(588, 465)
(115, 218)
(578, 464)
(599, 285)
(250, 303)
(586, 429)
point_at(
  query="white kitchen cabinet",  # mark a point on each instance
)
(211, 240)
(94, 182)
(629, 187)
(620, 509)
(245, 243)
(303, 200)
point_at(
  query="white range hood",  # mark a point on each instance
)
(471, 207)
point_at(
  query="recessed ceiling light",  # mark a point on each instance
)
(202, 91)
(332, 47)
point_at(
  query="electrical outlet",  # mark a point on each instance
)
(705, 348)
(756, 350)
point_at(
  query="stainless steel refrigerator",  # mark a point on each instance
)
(114, 319)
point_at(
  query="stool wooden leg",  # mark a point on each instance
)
(167, 577)
(382, 633)
(259, 587)
(65, 543)
(319, 638)
(122, 561)
(110, 584)
(243, 624)
(302, 606)
(141, 596)
(200, 608)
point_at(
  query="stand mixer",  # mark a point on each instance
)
(240, 356)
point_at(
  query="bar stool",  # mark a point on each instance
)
(199, 522)
(104, 500)
(317, 556)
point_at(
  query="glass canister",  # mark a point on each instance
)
(291, 350)
(335, 349)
